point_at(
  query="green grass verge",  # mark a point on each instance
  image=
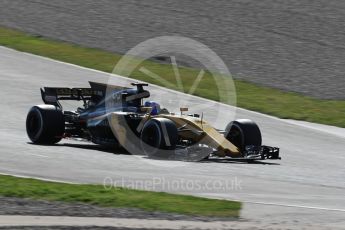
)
(249, 96)
(119, 197)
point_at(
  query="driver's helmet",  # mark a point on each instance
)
(155, 107)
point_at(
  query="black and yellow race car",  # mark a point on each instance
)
(118, 116)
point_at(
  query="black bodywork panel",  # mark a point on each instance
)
(91, 122)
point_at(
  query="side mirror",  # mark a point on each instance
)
(183, 109)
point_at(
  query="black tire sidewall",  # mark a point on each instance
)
(250, 133)
(51, 124)
(35, 132)
(160, 149)
(146, 134)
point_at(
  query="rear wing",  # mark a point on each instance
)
(52, 95)
(97, 91)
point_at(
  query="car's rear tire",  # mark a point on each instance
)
(242, 133)
(45, 124)
(159, 137)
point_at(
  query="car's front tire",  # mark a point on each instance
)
(45, 124)
(242, 133)
(159, 137)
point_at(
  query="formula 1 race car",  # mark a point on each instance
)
(117, 116)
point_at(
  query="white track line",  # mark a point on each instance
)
(295, 206)
(39, 178)
(38, 155)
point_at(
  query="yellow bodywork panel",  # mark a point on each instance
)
(193, 129)
(204, 133)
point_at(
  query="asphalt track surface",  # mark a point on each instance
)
(295, 45)
(306, 188)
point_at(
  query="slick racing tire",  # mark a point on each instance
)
(45, 124)
(158, 136)
(243, 132)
